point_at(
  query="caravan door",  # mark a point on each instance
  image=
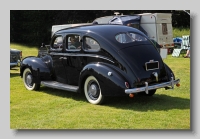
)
(159, 28)
(164, 30)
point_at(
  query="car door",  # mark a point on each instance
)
(80, 58)
(73, 58)
(58, 58)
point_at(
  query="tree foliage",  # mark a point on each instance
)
(34, 26)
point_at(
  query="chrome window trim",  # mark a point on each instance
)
(83, 55)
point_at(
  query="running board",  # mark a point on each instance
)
(61, 86)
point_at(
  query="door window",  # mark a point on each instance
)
(58, 43)
(73, 42)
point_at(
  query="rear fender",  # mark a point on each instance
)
(169, 72)
(112, 82)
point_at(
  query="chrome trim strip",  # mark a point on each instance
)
(62, 86)
(152, 87)
(86, 55)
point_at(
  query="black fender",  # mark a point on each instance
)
(169, 72)
(112, 82)
(41, 68)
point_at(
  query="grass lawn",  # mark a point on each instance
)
(55, 109)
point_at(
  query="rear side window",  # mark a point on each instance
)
(90, 44)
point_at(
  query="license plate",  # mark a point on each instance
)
(152, 65)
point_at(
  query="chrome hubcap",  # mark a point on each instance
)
(29, 79)
(93, 89)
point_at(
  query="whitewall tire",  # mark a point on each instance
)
(28, 80)
(92, 91)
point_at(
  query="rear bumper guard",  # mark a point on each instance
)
(152, 87)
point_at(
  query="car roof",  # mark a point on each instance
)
(100, 29)
(106, 31)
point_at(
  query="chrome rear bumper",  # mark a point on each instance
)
(152, 87)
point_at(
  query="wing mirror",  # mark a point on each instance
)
(45, 46)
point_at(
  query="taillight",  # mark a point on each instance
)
(126, 84)
(177, 84)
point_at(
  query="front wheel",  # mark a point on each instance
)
(28, 80)
(92, 91)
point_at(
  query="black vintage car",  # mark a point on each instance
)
(99, 61)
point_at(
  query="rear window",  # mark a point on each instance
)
(129, 37)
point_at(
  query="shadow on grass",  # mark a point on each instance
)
(156, 102)
(14, 72)
(64, 94)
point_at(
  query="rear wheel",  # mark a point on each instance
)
(28, 80)
(92, 91)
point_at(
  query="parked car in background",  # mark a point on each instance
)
(99, 61)
(15, 57)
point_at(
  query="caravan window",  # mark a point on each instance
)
(115, 21)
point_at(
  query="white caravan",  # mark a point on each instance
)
(157, 26)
